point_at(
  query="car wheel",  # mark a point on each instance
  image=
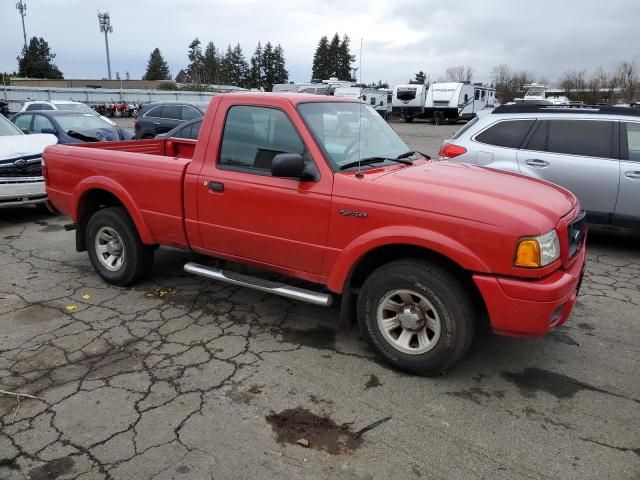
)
(418, 316)
(115, 249)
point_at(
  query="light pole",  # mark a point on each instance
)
(21, 6)
(105, 26)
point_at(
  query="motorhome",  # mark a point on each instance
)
(453, 101)
(379, 99)
(408, 101)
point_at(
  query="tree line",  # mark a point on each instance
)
(212, 66)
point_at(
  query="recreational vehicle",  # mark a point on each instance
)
(380, 100)
(408, 101)
(453, 101)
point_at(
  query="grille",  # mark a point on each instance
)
(30, 166)
(577, 230)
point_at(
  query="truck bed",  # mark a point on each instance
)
(147, 177)
(166, 147)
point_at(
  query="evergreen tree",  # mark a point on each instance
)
(268, 73)
(256, 79)
(280, 73)
(235, 66)
(36, 60)
(212, 64)
(320, 60)
(157, 68)
(421, 78)
(195, 69)
(344, 60)
(333, 57)
(182, 77)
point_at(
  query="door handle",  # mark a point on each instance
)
(537, 163)
(632, 175)
(156, 123)
(215, 186)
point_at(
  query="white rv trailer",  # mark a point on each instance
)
(326, 87)
(379, 99)
(407, 101)
(453, 101)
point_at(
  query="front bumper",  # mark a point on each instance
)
(17, 191)
(529, 308)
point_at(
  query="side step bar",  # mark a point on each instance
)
(275, 288)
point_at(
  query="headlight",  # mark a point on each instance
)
(535, 252)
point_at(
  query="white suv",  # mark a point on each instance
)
(21, 181)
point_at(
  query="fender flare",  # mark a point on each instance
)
(353, 253)
(111, 186)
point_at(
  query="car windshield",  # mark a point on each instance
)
(75, 107)
(81, 122)
(349, 132)
(7, 128)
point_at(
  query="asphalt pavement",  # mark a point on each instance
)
(183, 378)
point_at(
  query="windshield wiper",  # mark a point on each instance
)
(370, 160)
(411, 153)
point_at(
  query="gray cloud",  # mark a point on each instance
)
(400, 37)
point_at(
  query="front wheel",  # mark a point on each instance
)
(115, 249)
(418, 316)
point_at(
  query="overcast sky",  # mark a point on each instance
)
(400, 37)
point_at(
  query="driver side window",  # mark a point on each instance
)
(253, 136)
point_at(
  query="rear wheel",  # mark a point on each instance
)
(418, 316)
(115, 249)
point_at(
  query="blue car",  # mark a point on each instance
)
(69, 126)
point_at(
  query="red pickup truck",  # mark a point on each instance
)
(322, 190)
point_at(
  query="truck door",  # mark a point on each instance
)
(246, 213)
(627, 211)
(579, 156)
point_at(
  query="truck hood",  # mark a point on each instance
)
(16, 146)
(481, 194)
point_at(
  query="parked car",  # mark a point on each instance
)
(188, 130)
(160, 117)
(21, 181)
(592, 151)
(68, 105)
(427, 248)
(70, 127)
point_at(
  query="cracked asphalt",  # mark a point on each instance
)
(176, 378)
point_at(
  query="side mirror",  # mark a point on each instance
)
(25, 131)
(290, 165)
(49, 130)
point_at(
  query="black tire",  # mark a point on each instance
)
(452, 309)
(137, 257)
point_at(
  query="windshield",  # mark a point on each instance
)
(7, 128)
(348, 132)
(406, 93)
(75, 107)
(82, 122)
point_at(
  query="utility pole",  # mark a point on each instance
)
(21, 6)
(360, 66)
(105, 26)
